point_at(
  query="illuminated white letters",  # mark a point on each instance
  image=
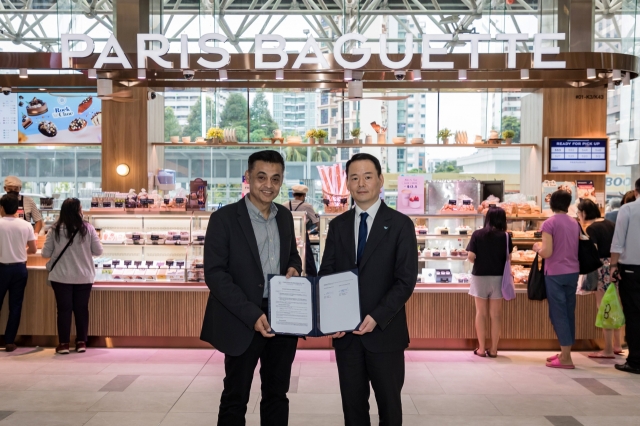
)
(67, 53)
(303, 59)
(474, 39)
(154, 54)
(261, 51)
(427, 50)
(337, 51)
(213, 49)
(538, 51)
(511, 40)
(120, 57)
(408, 53)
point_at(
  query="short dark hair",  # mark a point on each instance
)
(560, 201)
(364, 157)
(629, 197)
(590, 209)
(268, 156)
(9, 203)
(638, 185)
(496, 218)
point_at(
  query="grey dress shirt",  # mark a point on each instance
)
(626, 238)
(268, 239)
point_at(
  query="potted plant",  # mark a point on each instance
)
(356, 135)
(214, 135)
(508, 136)
(321, 135)
(311, 135)
(444, 135)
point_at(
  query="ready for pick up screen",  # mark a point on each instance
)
(577, 155)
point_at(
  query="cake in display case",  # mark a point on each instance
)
(164, 248)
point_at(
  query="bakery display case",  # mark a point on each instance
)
(158, 250)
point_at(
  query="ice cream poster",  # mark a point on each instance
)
(69, 118)
(410, 194)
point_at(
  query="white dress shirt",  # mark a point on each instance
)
(372, 211)
(626, 238)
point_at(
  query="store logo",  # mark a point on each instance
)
(62, 100)
(161, 48)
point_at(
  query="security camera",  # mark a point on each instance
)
(151, 95)
(6, 91)
(188, 74)
(399, 75)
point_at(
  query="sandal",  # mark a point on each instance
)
(551, 358)
(481, 354)
(556, 364)
(492, 356)
(599, 355)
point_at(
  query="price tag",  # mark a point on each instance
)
(453, 202)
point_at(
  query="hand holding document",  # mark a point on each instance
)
(314, 307)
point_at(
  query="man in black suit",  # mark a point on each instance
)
(245, 242)
(381, 244)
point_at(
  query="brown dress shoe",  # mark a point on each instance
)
(10, 347)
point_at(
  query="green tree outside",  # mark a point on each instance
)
(261, 121)
(512, 123)
(194, 120)
(448, 167)
(234, 115)
(171, 125)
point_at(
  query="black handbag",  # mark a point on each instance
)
(588, 256)
(536, 289)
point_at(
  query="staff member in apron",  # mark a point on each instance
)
(27, 208)
(298, 204)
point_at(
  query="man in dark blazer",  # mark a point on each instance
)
(245, 242)
(381, 244)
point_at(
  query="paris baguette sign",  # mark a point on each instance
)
(155, 54)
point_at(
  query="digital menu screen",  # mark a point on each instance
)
(585, 155)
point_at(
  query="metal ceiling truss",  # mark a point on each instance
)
(22, 22)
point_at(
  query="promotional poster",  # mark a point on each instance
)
(46, 118)
(411, 194)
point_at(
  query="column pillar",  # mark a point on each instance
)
(576, 20)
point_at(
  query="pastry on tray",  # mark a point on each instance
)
(36, 107)
(48, 129)
(96, 119)
(26, 121)
(77, 124)
(85, 105)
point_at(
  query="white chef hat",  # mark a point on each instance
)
(12, 181)
(300, 189)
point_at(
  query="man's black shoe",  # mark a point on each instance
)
(627, 368)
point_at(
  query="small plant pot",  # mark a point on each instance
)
(445, 141)
(382, 138)
(321, 141)
(312, 141)
(356, 141)
(508, 141)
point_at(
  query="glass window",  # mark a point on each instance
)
(324, 116)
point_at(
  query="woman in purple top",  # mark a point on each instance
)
(559, 248)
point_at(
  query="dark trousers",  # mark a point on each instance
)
(276, 356)
(72, 298)
(310, 261)
(630, 297)
(357, 367)
(13, 278)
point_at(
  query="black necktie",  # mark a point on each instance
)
(362, 235)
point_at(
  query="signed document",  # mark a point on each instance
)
(291, 305)
(310, 306)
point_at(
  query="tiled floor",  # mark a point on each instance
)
(145, 387)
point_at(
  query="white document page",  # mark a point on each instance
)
(291, 305)
(339, 302)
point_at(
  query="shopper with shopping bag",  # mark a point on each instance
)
(600, 233)
(559, 249)
(625, 267)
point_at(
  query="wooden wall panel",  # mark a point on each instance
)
(125, 140)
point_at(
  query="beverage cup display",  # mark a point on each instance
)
(175, 139)
(404, 197)
(277, 133)
(186, 139)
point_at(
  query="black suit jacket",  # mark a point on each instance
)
(233, 273)
(387, 274)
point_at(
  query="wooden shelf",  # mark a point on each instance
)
(340, 145)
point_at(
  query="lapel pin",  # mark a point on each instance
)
(386, 227)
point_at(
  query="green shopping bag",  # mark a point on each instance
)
(610, 312)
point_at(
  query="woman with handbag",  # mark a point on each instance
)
(559, 248)
(489, 249)
(601, 233)
(71, 244)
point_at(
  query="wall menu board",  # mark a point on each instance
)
(45, 118)
(577, 155)
(8, 118)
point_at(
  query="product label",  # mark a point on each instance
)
(453, 202)
(119, 204)
(179, 200)
(106, 204)
(95, 204)
(127, 263)
(466, 202)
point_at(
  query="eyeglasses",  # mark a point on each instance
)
(607, 309)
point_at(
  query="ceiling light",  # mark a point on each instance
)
(142, 74)
(626, 80)
(279, 74)
(611, 87)
(122, 169)
(617, 75)
(591, 73)
(524, 74)
(222, 74)
(417, 75)
(23, 73)
(348, 75)
(462, 74)
(92, 73)
(42, 89)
